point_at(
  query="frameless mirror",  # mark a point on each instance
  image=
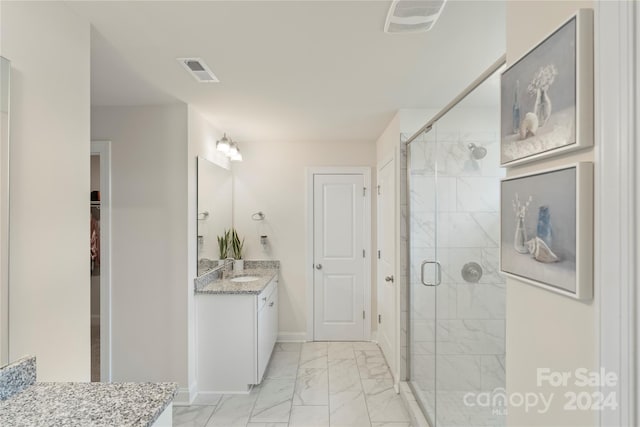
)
(5, 70)
(215, 199)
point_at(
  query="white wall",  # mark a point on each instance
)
(544, 329)
(150, 264)
(272, 179)
(202, 137)
(49, 284)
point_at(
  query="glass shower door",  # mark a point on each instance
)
(456, 294)
(423, 275)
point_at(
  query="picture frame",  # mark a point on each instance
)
(546, 229)
(547, 104)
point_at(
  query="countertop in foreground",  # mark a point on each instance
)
(87, 404)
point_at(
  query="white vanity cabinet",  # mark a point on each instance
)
(235, 335)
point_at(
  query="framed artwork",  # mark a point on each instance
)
(547, 95)
(546, 229)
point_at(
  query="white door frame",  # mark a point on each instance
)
(395, 346)
(366, 173)
(617, 196)
(103, 149)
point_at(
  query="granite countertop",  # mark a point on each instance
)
(224, 285)
(87, 404)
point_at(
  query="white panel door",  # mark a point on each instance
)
(338, 257)
(387, 288)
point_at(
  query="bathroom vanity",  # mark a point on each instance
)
(236, 329)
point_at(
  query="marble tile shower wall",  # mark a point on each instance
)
(462, 213)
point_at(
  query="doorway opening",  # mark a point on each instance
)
(100, 252)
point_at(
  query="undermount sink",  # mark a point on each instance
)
(244, 279)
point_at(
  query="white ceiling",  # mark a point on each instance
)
(288, 70)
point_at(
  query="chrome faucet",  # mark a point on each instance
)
(227, 262)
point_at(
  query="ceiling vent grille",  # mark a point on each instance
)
(199, 70)
(413, 16)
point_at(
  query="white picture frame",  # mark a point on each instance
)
(564, 60)
(561, 276)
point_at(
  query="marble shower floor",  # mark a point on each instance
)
(311, 384)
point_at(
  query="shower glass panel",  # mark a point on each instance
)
(456, 294)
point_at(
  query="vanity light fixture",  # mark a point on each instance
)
(223, 145)
(237, 157)
(233, 150)
(229, 148)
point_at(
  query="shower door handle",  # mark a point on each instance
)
(438, 273)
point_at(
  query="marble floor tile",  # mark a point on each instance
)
(313, 355)
(348, 408)
(319, 384)
(309, 416)
(341, 350)
(233, 410)
(267, 425)
(372, 364)
(390, 424)
(365, 345)
(343, 375)
(383, 402)
(288, 346)
(283, 365)
(312, 387)
(274, 402)
(192, 416)
(207, 399)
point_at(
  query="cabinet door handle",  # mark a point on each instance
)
(319, 267)
(271, 303)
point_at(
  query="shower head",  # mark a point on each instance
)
(477, 152)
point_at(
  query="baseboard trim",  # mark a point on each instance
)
(186, 396)
(292, 337)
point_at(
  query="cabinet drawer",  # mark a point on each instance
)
(266, 293)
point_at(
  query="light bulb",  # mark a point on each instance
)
(236, 157)
(223, 144)
(233, 150)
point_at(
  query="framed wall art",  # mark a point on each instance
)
(547, 95)
(546, 229)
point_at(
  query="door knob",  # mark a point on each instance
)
(318, 266)
(388, 279)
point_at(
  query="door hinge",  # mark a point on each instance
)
(364, 254)
(378, 254)
(363, 314)
(364, 191)
(378, 190)
(379, 318)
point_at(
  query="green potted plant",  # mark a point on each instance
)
(237, 247)
(223, 246)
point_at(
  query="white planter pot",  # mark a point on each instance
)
(238, 266)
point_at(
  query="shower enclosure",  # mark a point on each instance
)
(456, 305)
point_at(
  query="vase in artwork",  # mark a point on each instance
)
(543, 229)
(516, 110)
(542, 107)
(520, 238)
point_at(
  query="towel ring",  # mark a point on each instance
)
(258, 216)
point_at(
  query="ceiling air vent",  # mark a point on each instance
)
(199, 70)
(413, 16)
